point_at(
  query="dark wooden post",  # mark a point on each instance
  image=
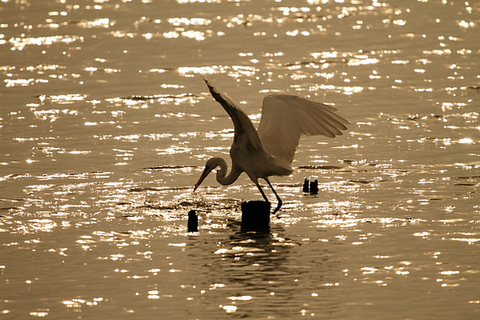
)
(192, 223)
(305, 185)
(255, 215)
(314, 187)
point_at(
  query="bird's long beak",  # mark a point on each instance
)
(202, 177)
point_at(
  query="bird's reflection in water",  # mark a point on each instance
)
(265, 273)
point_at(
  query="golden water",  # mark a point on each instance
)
(105, 125)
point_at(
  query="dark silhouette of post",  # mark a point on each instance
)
(305, 185)
(255, 215)
(311, 187)
(314, 187)
(192, 224)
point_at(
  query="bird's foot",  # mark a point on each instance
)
(279, 205)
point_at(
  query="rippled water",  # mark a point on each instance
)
(105, 126)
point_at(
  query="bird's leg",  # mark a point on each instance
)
(279, 205)
(261, 191)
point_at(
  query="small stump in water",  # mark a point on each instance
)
(314, 187)
(255, 215)
(192, 224)
(311, 187)
(306, 187)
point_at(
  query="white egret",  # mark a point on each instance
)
(270, 150)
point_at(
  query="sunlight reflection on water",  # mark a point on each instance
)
(106, 124)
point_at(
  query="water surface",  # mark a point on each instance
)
(105, 126)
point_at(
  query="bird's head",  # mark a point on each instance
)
(209, 166)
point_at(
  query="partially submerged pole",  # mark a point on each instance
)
(192, 224)
(255, 215)
(306, 185)
(314, 187)
(311, 187)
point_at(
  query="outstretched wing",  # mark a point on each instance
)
(245, 133)
(286, 117)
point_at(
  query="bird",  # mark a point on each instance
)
(270, 150)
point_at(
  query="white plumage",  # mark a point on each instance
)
(270, 150)
(286, 117)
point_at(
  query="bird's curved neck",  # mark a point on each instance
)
(222, 177)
